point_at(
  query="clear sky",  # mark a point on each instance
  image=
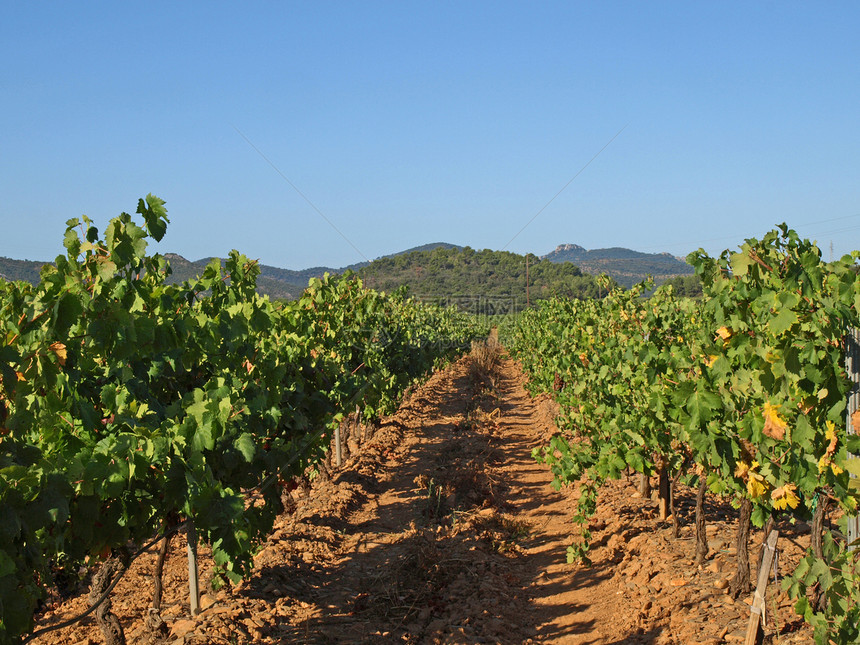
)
(412, 122)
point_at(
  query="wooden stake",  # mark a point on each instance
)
(644, 486)
(663, 492)
(337, 453)
(757, 609)
(193, 575)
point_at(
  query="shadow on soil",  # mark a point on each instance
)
(434, 559)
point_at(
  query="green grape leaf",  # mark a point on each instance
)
(155, 216)
(245, 444)
(783, 321)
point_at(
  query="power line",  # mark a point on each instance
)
(570, 181)
(699, 243)
(303, 196)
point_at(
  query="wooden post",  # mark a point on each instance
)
(193, 574)
(757, 610)
(337, 453)
(644, 485)
(663, 492)
(359, 431)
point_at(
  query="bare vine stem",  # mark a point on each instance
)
(106, 594)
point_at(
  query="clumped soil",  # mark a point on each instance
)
(440, 528)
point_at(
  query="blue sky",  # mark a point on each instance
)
(412, 122)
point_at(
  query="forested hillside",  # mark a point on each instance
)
(26, 270)
(443, 270)
(275, 282)
(481, 281)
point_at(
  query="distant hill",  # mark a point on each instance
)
(424, 247)
(277, 283)
(442, 269)
(480, 281)
(273, 281)
(26, 270)
(627, 267)
(270, 282)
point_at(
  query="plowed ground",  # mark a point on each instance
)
(440, 528)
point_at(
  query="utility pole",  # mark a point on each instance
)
(528, 301)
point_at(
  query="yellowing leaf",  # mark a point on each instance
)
(60, 350)
(756, 485)
(724, 332)
(774, 425)
(785, 496)
(822, 394)
(830, 434)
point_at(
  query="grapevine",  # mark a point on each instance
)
(127, 402)
(743, 391)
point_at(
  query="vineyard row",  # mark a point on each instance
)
(741, 394)
(130, 407)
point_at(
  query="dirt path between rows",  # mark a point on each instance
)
(440, 527)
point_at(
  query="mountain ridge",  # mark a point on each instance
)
(626, 266)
